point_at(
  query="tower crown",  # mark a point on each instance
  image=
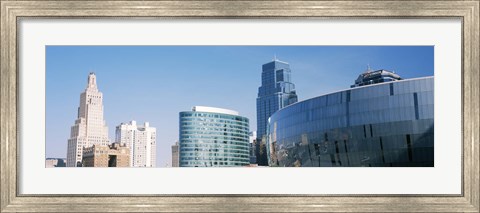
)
(92, 80)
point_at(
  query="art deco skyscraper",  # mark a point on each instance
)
(89, 128)
(141, 140)
(276, 92)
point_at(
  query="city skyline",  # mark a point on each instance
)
(155, 89)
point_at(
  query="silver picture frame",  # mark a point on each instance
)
(12, 11)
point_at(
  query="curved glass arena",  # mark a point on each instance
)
(384, 124)
(213, 137)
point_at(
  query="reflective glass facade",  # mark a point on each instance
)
(210, 139)
(277, 91)
(384, 124)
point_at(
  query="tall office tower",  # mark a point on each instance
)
(89, 128)
(175, 150)
(276, 92)
(141, 140)
(213, 137)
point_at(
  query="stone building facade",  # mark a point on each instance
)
(113, 155)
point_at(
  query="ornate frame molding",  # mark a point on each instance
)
(11, 11)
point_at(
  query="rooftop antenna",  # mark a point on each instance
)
(274, 57)
(368, 67)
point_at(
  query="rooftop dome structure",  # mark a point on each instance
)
(375, 76)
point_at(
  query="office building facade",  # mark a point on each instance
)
(113, 155)
(213, 137)
(384, 124)
(175, 155)
(276, 92)
(141, 140)
(90, 127)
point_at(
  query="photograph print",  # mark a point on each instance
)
(239, 106)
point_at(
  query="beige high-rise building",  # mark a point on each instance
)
(89, 128)
(175, 151)
(141, 140)
(113, 155)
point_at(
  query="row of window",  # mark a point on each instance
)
(209, 134)
(214, 152)
(211, 163)
(213, 115)
(230, 159)
(224, 146)
(196, 122)
(213, 126)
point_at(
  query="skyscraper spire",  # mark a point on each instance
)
(274, 57)
(368, 67)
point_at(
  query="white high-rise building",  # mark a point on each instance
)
(89, 128)
(141, 140)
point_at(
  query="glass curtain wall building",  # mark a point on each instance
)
(213, 137)
(276, 92)
(378, 125)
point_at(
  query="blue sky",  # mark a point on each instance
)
(155, 83)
